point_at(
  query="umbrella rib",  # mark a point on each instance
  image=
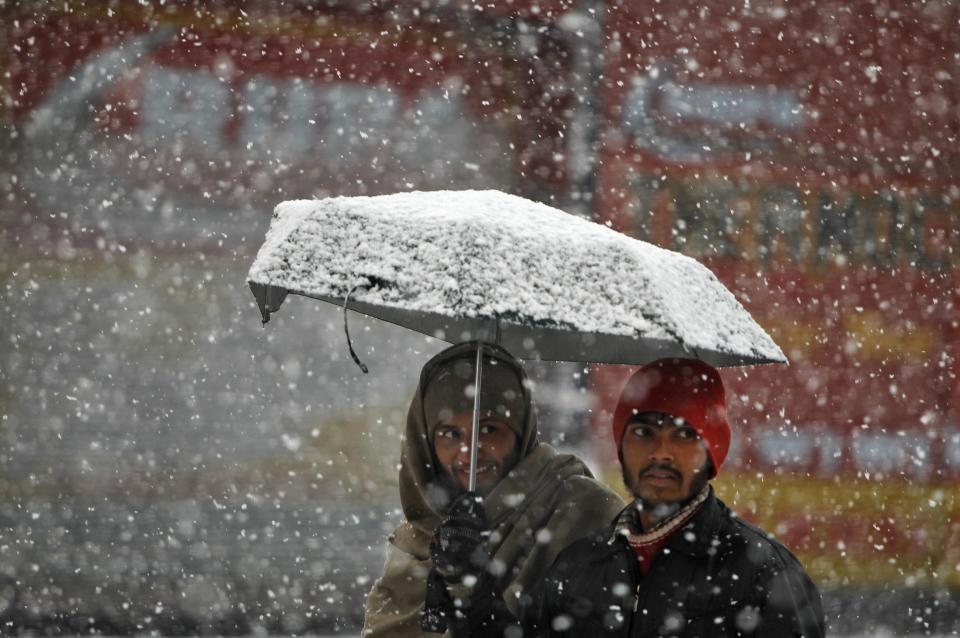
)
(670, 331)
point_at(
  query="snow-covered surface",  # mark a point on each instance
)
(487, 254)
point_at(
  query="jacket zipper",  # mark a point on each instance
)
(634, 571)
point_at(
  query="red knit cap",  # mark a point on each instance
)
(685, 388)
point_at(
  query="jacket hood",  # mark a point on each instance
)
(424, 494)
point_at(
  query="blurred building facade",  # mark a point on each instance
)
(168, 464)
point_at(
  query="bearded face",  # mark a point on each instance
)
(497, 450)
(664, 459)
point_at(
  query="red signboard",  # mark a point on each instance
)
(294, 103)
(855, 94)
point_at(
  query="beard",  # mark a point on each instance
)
(662, 510)
(448, 486)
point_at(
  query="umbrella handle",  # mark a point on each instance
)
(475, 431)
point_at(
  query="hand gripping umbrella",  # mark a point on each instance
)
(490, 267)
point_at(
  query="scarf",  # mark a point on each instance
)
(646, 545)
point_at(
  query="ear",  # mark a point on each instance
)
(710, 470)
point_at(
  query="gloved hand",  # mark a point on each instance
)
(457, 548)
(458, 553)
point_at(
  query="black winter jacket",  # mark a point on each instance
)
(717, 576)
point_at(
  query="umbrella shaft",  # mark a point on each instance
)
(475, 431)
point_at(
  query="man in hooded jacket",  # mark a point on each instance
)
(676, 561)
(493, 546)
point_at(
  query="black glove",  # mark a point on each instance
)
(457, 549)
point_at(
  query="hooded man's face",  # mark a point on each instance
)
(497, 450)
(664, 459)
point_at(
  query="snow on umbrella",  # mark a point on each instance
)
(484, 265)
(491, 267)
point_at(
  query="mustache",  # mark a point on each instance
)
(465, 467)
(661, 467)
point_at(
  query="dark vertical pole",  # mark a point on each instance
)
(585, 44)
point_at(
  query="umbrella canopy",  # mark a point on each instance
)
(488, 266)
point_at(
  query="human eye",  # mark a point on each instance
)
(688, 433)
(447, 433)
(489, 428)
(642, 431)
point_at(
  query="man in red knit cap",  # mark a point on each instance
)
(676, 561)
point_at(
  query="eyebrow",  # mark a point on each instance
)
(483, 420)
(660, 423)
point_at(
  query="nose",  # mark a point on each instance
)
(662, 451)
(463, 452)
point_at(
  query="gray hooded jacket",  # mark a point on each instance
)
(547, 501)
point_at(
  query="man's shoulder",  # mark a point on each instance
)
(593, 501)
(598, 545)
(791, 595)
(588, 485)
(565, 473)
(762, 549)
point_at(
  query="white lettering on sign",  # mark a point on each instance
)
(279, 115)
(663, 115)
(273, 132)
(951, 448)
(355, 129)
(285, 117)
(892, 454)
(359, 123)
(783, 447)
(815, 448)
(830, 447)
(184, 110)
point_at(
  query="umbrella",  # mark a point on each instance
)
(491, 267)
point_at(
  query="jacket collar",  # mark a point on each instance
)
(700, 535)
(696, 538)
